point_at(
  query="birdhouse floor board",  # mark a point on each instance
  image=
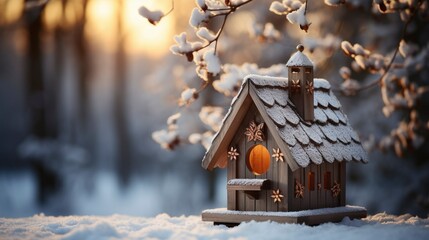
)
(308, 217)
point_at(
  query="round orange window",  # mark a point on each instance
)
(258, 160)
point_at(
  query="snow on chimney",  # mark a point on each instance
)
(300, 84)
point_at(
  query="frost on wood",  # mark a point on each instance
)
(320, 83)
(303, 213)
(233, 76)
(299, 59)
(246, 182)
(313, 153)
(152, 16)
(327, 139)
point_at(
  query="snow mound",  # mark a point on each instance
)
(380, 226)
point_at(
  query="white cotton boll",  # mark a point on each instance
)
(205, 34)
(345, 72)
(164, 138)
(278, 8)
(359, 50)
(207, 139)
(183, 46)
(188, 95)
(197, 17)
(360, 60)
(237, 2)
(299, 17)
(195, 138)
(225, 85)
(270, 32)
(213, 62)
(201, 4)
(294, 5)
(255, 29)
(406, 49)
(212, 116)
(350, 87)
(347, 48)
(196, 45)
(152, 16)
(334, 2)
(173, 118)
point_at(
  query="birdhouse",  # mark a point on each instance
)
(285, 143)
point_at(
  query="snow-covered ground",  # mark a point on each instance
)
(380, 226)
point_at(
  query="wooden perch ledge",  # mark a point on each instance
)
(248, 184)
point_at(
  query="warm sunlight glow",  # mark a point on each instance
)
(143, 37)
(73, 12)
(52, 14)
(13, 10)
(140, 36)
(101, 26)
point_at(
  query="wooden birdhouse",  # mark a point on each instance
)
(285, 143)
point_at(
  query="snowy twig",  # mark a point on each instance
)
(379, 81)
(171, 10)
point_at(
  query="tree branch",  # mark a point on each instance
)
(387, 69)
(171, 10)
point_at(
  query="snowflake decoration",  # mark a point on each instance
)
(309, 87)
(319, 186)
(336, 189)
(277, 155)
(277, 197)
(295, 85)
(299, 190)
(233, 154)
(254, 132)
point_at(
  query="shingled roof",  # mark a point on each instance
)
(328, 138)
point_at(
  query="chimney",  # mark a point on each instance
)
(300, 84)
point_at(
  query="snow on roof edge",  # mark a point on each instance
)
(299, 59)
(262, 79)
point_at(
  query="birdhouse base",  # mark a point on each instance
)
(230, 218)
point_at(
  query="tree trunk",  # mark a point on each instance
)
(47, 179)
(120, 111)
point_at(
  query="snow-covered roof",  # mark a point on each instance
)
(328, 138)
(299, 59)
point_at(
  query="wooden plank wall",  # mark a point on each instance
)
(272, 174)
(343, 183)
(319, 198)
(252, 113)
(276, 169)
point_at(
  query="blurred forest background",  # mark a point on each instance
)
(84, 83)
